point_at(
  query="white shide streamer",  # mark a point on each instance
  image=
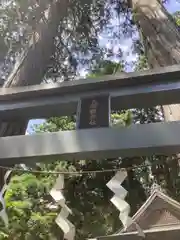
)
(3, 213)
(56, 192)
(118, 200)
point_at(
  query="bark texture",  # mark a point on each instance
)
(31, 67)
(161, 40)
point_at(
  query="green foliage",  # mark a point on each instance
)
(27, 207)
(120, 119)
(176, 16)
(55, 124)
(106, 67)
(142, 63)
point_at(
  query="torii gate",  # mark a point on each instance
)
(94, 138)
(144, 89)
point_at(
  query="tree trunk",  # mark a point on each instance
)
(161, 39)
(31, 67)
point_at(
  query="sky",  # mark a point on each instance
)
(125, 44)
(173, 5)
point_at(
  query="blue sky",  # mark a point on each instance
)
(172, 6)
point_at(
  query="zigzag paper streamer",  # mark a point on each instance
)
(67, 227)
(3, 213)
(118, 200)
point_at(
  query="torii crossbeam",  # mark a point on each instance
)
(101, 143)
(127, 90)
(144, 89)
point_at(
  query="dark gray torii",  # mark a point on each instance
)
(144, 89)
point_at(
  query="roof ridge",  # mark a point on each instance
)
(156, 193)
(168, 199)
(150, 199)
